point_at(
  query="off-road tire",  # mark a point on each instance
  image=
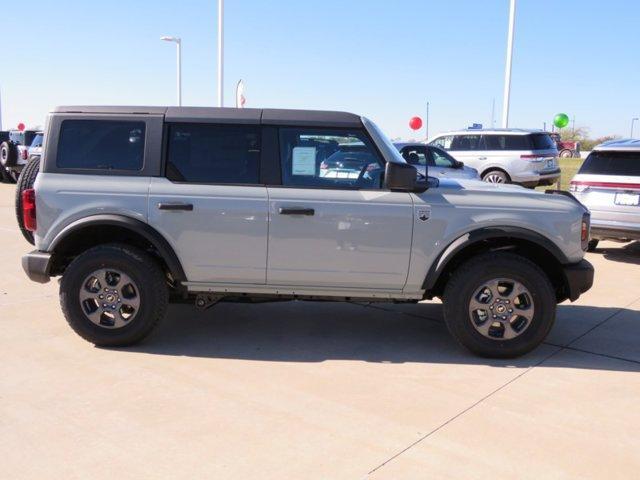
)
(141, 268)
(25, 181)
(8, 154)
(470, 276)
(566, 153)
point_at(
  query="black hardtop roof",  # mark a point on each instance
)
(265, 116)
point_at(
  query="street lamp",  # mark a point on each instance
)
(633, 120)
(507, 68)
(220, 52)
(178, 42)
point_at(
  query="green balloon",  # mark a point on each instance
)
(561, 120)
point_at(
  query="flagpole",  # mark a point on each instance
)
(507, 69)
(220, 52)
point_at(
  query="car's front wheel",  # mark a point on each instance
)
(113, 295)
(499, 305)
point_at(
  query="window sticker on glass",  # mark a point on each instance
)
(304, 161)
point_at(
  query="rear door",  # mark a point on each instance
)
(336, 231)
(469, 149)
(210, 204)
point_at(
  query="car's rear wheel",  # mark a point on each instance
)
(496, 176)
(499, 305)
(25, 181)
(113, 295)
(566, 153)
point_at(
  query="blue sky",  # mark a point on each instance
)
(382, 59)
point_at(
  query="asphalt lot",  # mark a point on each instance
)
(327, 391)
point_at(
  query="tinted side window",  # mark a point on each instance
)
(202, 153)
(101, 144)
(443, 142)
(467, 142)
(543, 141)
(415, 155)
(612, 163)
(508, 142)
(329, 158)
(441, 159)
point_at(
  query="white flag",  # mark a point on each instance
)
(240, 99)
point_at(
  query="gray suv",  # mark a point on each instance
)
(135, 207)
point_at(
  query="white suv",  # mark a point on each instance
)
(526, 157)
(608, 184)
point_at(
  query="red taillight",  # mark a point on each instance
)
(29, 209)
(530, 156)
(24, 154)
(584, 233)
(581, 185)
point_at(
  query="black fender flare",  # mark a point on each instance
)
(488, 233)
(136, 226)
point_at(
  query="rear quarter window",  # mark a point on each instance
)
(542, 141)
(508, 142)
(101, 145)
(612, 163)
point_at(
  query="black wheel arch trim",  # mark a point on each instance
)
(488, 233)
(137, 226)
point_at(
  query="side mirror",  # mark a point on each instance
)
(459, 164)
(401, 177)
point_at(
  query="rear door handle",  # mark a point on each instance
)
(297, 211)
(187, 207)
(482, 158)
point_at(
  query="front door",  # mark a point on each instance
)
(210, 206)
(331, 223)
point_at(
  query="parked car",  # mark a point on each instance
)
(526, 157)
(608, 183)
(439, 162)
(566, 148)
(35, 149)
(14, 153)
(135, 207)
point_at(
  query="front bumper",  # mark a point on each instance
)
(579, 278)
(37, 266)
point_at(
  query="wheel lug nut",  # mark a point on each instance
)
(495, 316)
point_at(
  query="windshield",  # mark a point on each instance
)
(390, 153)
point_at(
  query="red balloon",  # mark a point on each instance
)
(21, 126)
(415, 123)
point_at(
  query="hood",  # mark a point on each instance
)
(505, 196)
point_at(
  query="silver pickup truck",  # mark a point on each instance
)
(135, 207)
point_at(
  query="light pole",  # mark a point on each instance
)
(178, 42)
(633, 120)
(220, 52)
(426, 127)
(507, 69)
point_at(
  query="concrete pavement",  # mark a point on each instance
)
(327, 391)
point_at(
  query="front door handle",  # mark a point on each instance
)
(187, 207)
(482, 158)
(297, 211)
